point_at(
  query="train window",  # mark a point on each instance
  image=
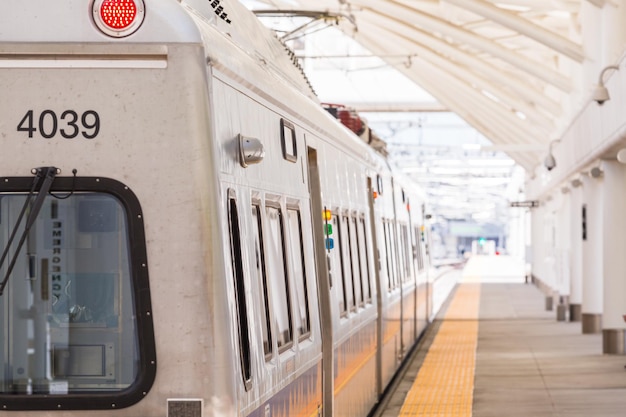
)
(357, 278)
(418, 250)
(346, 258)
(338, 266)
(400, 254)
(303, 322)
(259, 257)
(75, 317)
(240, 292)
(388, 256)
(404, 256)
(279, 283)
(391, 255)
(288, 140)
(396, 257)
(363, 259)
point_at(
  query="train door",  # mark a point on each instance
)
(323, 285)
(414, 271)
(422, 237)
(379, 289)
(395, 238)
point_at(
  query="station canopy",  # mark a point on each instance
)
(513, 70)
(507, 67)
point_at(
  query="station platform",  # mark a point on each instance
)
(494, 350)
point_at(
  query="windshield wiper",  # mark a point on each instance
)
(47, 174)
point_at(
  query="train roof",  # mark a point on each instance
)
(71, 21)
(234, 20)
(165, 22)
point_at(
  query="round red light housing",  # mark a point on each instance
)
(118, 18)
(118, 14)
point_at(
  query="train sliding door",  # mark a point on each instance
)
(379, 289)
(323, 285)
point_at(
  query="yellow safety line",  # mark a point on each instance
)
(445, 383)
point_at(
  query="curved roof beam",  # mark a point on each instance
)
(482, 120)
(438, 84)
(512, 21)
(479, 111)
(405, 43)
(462, 36)
(543, 104)
(543, 5)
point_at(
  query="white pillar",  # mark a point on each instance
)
(614, 260)
(576, 253)
(542, 248)
(592, 256)
(528, 241)
(550, 254)
(562, 252)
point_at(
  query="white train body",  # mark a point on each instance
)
(172, 280)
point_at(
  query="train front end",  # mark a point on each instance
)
(106, 220)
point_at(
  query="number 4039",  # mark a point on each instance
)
(68, 124)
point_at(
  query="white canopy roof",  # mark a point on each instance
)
(515, 70)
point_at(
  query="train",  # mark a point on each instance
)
(185, 230)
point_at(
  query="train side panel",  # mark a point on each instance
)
(277, 249)
(220, 304)
(344, 177)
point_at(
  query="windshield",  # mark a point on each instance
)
(67, 315)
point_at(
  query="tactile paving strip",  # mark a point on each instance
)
(445, 383)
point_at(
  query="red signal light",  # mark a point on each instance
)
(118, 18)
(118, 14)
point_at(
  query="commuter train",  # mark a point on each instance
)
(185, 231)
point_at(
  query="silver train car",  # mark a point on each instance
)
(184, 230)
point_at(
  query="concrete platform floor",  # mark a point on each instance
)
(527, 363)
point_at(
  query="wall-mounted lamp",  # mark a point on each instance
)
(550, 162)
(601, 94)
(621, 156)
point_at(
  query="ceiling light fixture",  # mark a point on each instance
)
(550, 162)
(601, 93)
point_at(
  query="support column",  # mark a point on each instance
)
(562, 254)
(614, 260)
(576, 252)
(592, 255)
(550, 240)
(543, 250)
